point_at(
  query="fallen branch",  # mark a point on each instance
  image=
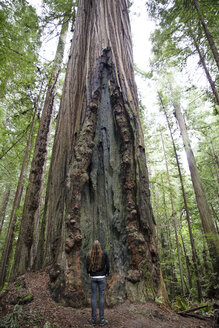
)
(192, 310)
(187, 313)
(197, 316)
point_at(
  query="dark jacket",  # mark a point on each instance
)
(104, 269)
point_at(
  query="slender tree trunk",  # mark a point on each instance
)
(4, 207)
(171, 271)
(215, 216)
(41, 247)
(10, 235)
(205, 261)
(207, 33)
(215, 162)
(28, 236)
(205, 213)
(202, 60)
(173, 217)
(98, 180)
(187, 262)
(215, 156)
(194, 253)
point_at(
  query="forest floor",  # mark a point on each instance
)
(43, 312)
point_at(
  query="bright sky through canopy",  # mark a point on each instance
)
(141, 28)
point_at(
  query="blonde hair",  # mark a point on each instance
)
(95, 256)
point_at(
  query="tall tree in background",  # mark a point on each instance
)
(203, 127)
(19, 45)
(98, 181)
(20, 83)
(174, 219)
(204, 210)
(192, 26)
(3, 206)
(194, 253)
(207, 33)
(7, 250)
(27, 241)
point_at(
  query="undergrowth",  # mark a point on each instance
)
(181, 303)
(18, 318)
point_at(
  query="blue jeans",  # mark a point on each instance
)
(100, 283)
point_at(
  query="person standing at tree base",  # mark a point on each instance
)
(97, 265)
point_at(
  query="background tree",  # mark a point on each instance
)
(205, 213)
(3, 207)
(28, 237)
(8, 245)
(19, 45)
(25, 91)
(192, 27)
(198, 117)
(194, 254)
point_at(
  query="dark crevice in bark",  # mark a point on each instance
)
(77, 176)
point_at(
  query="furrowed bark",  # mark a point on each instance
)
(98, 183)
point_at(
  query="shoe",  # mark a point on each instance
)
(103, 322)
(92, 322)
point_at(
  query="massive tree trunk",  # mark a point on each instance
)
(26, 245)
(98, 181)
(205, 213)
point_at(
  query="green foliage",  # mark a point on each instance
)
(179, 304)
(19, 74)
(20, 317)
(12, 320)
(25, 299)
(58, 10)
(23, 77)
(179, 32)
(159, 300)
(183, 303)
(19, 44)
(202, 128)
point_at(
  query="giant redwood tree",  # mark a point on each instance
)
(98, 182)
